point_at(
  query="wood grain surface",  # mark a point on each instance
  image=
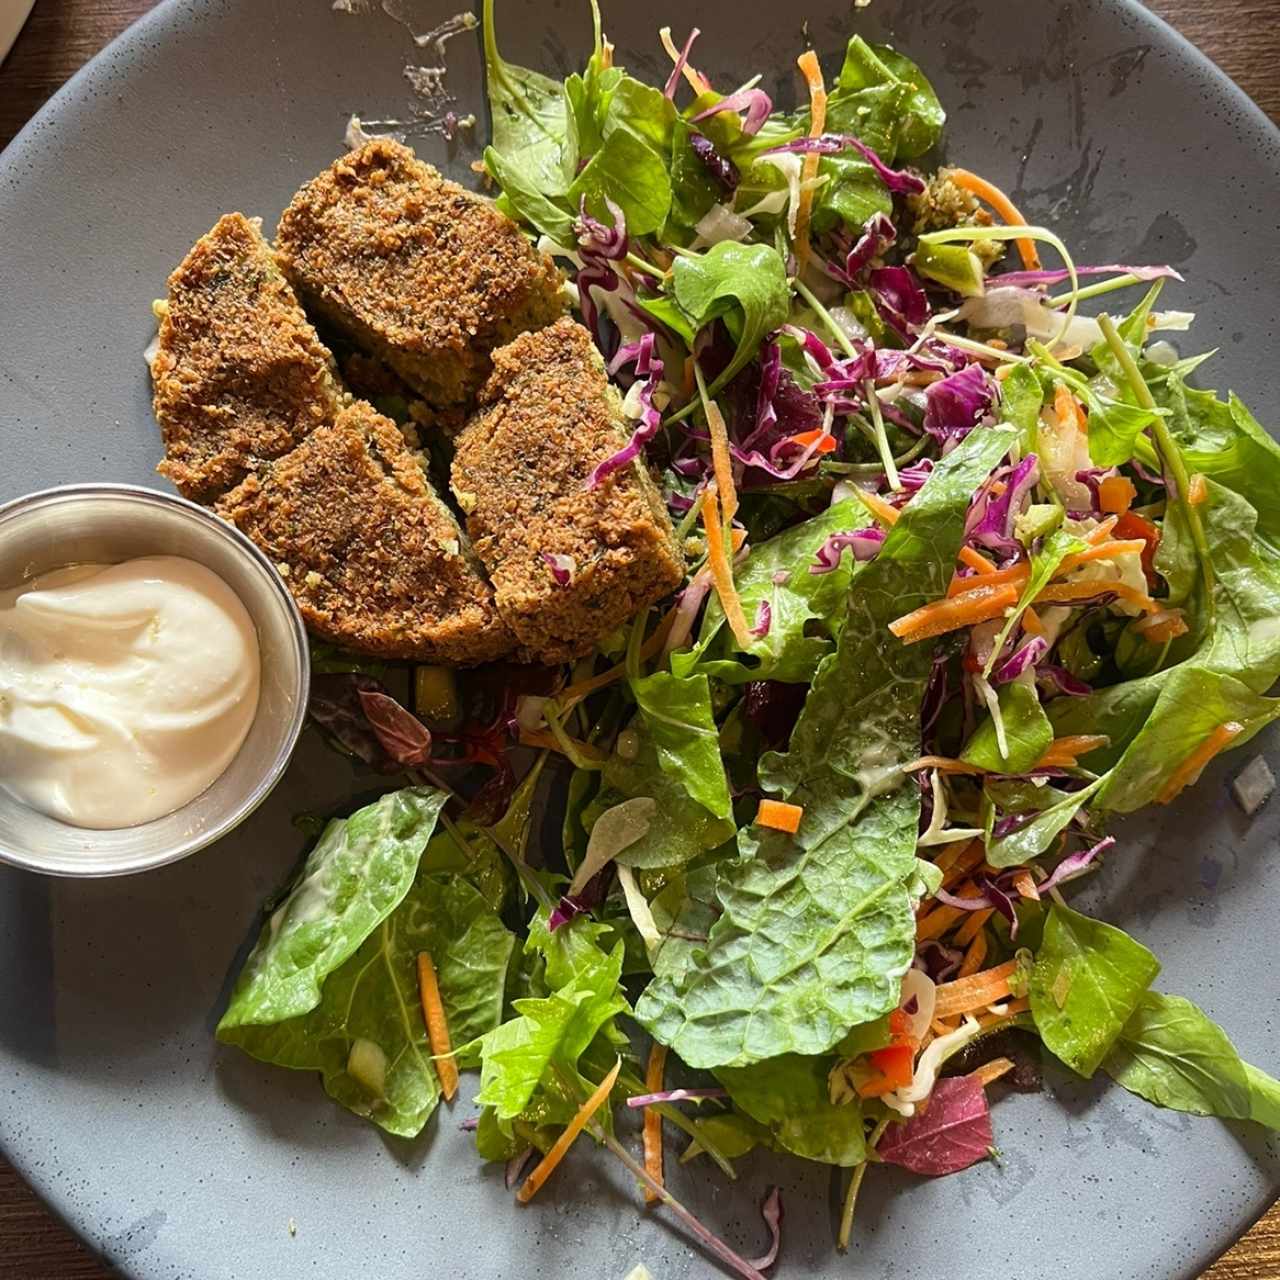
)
(1241, 36)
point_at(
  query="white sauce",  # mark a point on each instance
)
(125, 690)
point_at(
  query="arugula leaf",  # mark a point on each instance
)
(851, 193)
(524, 201)
(1030, 841)
(1170, 1053)
(693, 189)
(628, 171)
(789, 1096)
(887, 100)
(374, 997)
(1026, 728)
(1087, 979)
(749, 280)
(646, 111)
(1192, 704)
(354, 878)
(1021, 399)
(681, 827)
(790, 652)
(550, 1031)
(1264, 1097)
(815, 932)
(678, 714)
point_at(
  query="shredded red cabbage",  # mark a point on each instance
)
(755, 104)
(899, 297)
(1053, 677)
(562, 567)
(1029, 279)
(673, 80)
(721, 168)
(649, 368)
(898, 181)
(600, 246)
(1075, 864)
(938, 960)
(1021, 659)
(955, 404)
(515, 1167)
(990, 519)
(771, 1212)
(864, 543)
(1092, 478)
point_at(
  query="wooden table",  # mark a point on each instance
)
(1242, 37)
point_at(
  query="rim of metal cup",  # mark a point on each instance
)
(232, 536)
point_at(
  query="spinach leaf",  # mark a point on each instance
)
(681, 827)
(528, 110)
(789, 1096)
(693, 189)
(815, 932)
(646, 111)
(524, 201)
(886, 100)
(628, 171)
(1173, 1055)
(1026, 729)
(1030, 841)
(790, 652)
(373, 997)
(1191, 706)
(354, 878)
(749, 280)
(1087, 979)
(677, 712)
(851, 193)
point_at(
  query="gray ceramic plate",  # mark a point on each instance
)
(176, 1158)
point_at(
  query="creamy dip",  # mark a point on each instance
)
(125, 690)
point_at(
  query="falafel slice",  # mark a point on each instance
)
(239, 375)
(419, 271)
(374, 559)
(548, 416)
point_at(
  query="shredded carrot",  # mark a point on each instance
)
(697, 82)
(933, 924)
(1101, 532)
(1116, 494)
(1025, 884)
(1005, 207)
(882, 510)
(687, 378)
(547, 1165)
(1100, 551)
(974, 992)
(980, 605)
(990, 1072)
(722, 462)
(1189, 770)
(958, 854)
(946, 763)
(1064, 752)
(823, 441)
(1011, 575)
(1067, 407)
(1031, 623)
(437, 1026)
(877, 1087)
(998, 343)
(969, 859)
(976, 560)
(1197, 490)
(1070, 592)
(722, 570)
(1003, 1013)
(972, 928)
(1169, 624)
(779, 815)
(974, 955)
(812, 72)
(653, 1121)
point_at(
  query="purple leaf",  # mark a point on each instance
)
(771, 1212)
(515, 1167)
(952, 1134)
(402, 735)
(721, 168)
(1075, 864)
(829, 144)
(336, 707)
(648, 368)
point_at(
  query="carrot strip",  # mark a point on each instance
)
(1116, 494)
(547, 1165)
(1025, 884)
(1031, 623)
(971, 929)
(877, 1087)
(437, 1026)
(1069, 592)
(969, 859)
(1190, 769)
(957, 853)
(1100, 551)
(823, 441)
(1014, 575)
(980, 605)
(878, 507)
(812, 72)
(653, 1121)
(1197, 490)
(974, 992)
(1005, 207)
(933, 924)
(990, 1072)
(1168, 625)
(722, 571)
(779, 815)
(941, 1027)
(1062, 753)
(1101, 532)
(722, 462)
(975, 560)
(975, 954)
(1066, 406)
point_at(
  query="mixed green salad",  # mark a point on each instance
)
(970, 571)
